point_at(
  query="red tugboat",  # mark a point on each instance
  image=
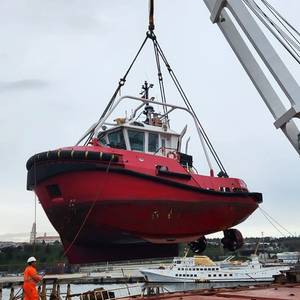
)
(130, 192)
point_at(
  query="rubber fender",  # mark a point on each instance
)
(78, 155)
(52, 155)
(94, 155)
(42, 156)
(30, 162)
(109, 157)
(70, 155)
(66, 154)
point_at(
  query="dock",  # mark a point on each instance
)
(8, 282)
(55, 289)
(139, 292)
(286, 286)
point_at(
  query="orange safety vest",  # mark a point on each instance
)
(31, 278)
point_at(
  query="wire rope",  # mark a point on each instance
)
(86, 217)
(284, 20)
(283, 38)
(189, 106)
(282, 234)
(160, 54)
(276, 222)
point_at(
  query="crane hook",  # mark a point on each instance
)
(151, 15)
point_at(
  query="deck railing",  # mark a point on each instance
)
(52, 290)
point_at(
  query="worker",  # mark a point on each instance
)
(31, 278)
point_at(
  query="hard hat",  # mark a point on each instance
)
(31, 259)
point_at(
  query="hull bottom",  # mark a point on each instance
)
(131, 211)
(79, 254)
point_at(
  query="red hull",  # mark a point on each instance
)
(127, 209)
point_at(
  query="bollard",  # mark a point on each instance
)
(43, 294)
(53, 295)
(68, 297)
(157, 290)
(12, 294)
(58, 291)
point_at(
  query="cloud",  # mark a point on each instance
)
(21, 85)
(61, 61)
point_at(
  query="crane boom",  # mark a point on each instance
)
(229, 15)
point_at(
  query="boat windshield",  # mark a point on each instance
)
(102, 139)
(136, 140)
(116, 139)
(145, 140)
(153, 142)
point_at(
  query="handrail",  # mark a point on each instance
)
(96, 126)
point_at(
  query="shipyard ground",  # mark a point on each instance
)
(271, 292)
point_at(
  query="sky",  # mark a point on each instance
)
(61, 61)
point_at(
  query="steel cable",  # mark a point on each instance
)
(284, 20)
(282, 234)
(86, 216)
(160, 78)
(189, 106)
(159, 53)
(278, 33)
(276, 221)
(111, 101)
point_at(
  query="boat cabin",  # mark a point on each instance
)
(149, 134)
(138, 136)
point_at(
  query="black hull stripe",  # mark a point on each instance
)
(43, 171)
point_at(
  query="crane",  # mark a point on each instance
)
(234, 16)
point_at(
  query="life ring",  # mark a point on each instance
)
(172, 155)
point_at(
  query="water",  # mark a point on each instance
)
(120, 290)
(190, 286)
(123, 290)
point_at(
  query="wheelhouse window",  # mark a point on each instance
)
(152, 142)
(136, 139)
(102, 140)
(116, 139)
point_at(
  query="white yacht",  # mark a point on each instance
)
(203, 269)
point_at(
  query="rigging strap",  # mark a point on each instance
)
(152, 36)
(123, 80)
(89, 135)
(160, 54)
(189, 106)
